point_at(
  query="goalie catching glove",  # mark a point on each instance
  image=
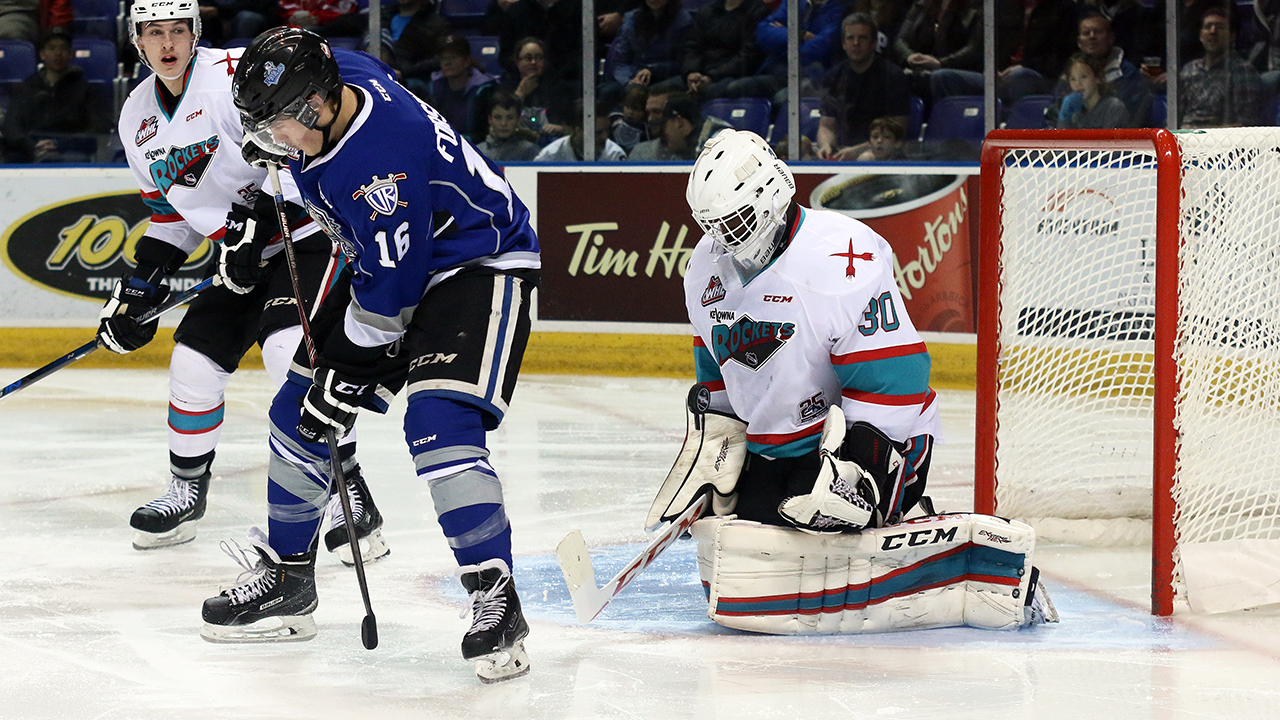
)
(332, 402)
(240, 263)
(859, 484)
(715, 447)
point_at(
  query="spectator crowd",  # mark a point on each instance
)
(669, 74)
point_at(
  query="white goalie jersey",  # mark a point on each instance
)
(188, 164)
(824, 323)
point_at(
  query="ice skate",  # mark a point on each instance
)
(496, 638)
(171, 518)
(368, 523)
(272, 600)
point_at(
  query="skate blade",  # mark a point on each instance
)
(373, 547)
(184, 533)
(506, 664)
(293, 628)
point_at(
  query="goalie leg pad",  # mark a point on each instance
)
(715, 446)
(953, 570)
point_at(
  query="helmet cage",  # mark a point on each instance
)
(301, 110)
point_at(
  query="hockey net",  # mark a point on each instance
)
(1129, 349)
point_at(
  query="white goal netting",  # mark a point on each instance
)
(1077, 310)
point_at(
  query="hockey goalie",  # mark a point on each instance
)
(812, 426)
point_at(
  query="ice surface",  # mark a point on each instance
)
(90, 628)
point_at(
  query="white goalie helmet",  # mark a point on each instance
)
(145, 11)
(739, 192)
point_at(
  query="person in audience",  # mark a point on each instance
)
(862, 88)
(720, 47)
(819, 45)
(1091, 103)
(936, 35)
(647, 49)
(1095, 39)
(1218, 89)
(684, 132)
(631, 124)
(558, 23)
(547, 99)
(55, 99)
(330, 18)
(246, 18)
(885, 142)
(507, 141)
(28, 19)
(1034, 38)
(416, 29)
(569, 147)
(459, 91)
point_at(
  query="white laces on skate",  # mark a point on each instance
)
(487, 606)
(180, 496)
(256, 579)
(335, 507)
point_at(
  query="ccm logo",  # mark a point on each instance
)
(195, 115)
(777, 298)
(918, 538)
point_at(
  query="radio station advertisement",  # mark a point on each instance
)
(621, 255)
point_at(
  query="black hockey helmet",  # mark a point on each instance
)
(279, 71)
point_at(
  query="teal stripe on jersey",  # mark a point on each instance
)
(705, 366)
(795, 448)
(160, 206)
(908, 375)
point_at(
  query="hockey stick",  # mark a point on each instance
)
(580, 575)
(87, 348)
(369, 627)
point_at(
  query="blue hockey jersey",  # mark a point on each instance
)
(410, 201)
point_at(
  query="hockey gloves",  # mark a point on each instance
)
(258, 156)
(240, 263)
(118, 328)
(332, 402)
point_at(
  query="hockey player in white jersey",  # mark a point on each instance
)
(182, 134)
(795, 312)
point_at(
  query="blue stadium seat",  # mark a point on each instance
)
(1027, 112)
(96, 19)
(17, 60)
(97, 57)
(1159, 111)
(743, 113)
(810, 116)
(914, 119)
(958, 117)
(464, 13)
(484, 50)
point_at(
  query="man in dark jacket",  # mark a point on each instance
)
(416, 30)
(720, 46)
(55, 99)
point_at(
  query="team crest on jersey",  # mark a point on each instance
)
(749, 342)
(383, 194)
(184, 167)
(148, 130)
(331, 228)
(272, 73)
(714, 292)
(849, 271)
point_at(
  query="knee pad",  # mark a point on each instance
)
(277, 352)
(433, 423)
(195, 381)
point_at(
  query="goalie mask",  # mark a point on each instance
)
(142, 12)
(286, 73)
(739, 192)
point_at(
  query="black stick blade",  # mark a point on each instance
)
(369, 632)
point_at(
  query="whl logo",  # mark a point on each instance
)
(714, 292)
(749, 342)
(184, 167)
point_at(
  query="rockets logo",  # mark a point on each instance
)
(751, 343)
(849, 271)
(184, 167)
(147, 131)
(382, 194)
(273, 73)
(714, 292)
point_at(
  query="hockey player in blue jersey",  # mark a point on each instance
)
(444, 260)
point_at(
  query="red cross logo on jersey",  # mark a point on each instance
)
(849, 272)
(228, 60)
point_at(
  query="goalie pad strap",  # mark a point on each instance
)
(715, 447)
(945, 571)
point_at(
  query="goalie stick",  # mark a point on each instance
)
(580, 574)
(86, 349)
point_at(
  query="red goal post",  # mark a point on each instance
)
(1087, 334)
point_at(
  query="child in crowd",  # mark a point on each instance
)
(506, 142)
(1091, 103)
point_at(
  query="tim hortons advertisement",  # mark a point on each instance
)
(615, 247)
(81, 246)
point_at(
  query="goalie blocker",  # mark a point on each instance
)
(932, 572)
